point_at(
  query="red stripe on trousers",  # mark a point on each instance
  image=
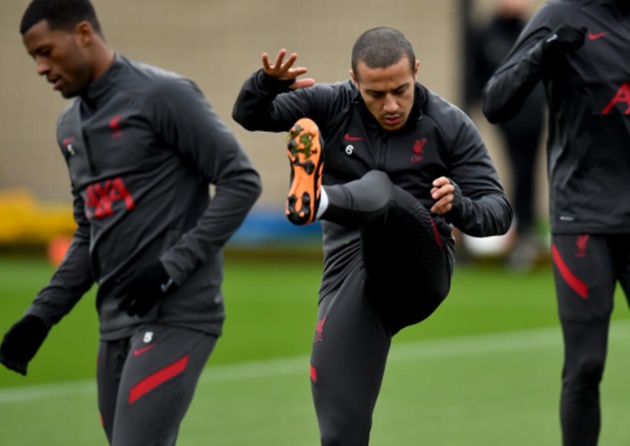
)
(436, 233)
(313, 373)
(571, 279)
(160, 377)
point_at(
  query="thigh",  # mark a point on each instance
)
(348, 359)
(585, 276)
(109, 366)
(408, 265)
(158, 380)
(585, 347)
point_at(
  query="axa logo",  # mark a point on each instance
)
(621, 97)
(114, 125)
(580, 245)
(319, 331)
(101, 197)
(418, 150)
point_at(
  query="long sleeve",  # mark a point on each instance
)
(186, 120)
(73, 277)
(481, 207)
(269, 105)
(511, 84)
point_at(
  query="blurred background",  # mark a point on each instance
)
(218, 44)
(483, 370)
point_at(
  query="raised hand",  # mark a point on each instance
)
(284, 70)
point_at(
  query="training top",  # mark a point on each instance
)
(142, 146)
(437, 140)
(588, 95)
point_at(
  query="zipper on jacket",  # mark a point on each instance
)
(88, 151)
(383, 140)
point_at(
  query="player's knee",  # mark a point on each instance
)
(344, 425)
(378, 182)
(340, 436)
(588, 372)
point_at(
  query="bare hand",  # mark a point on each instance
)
(283, 70)
(443, 192)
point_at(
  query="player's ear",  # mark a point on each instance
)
(415, 70)
(84, 33)
(353, 77)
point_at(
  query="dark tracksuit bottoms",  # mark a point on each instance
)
(398, 276)
(146, 383)
(586, 271)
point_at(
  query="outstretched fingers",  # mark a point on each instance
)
(283, 69)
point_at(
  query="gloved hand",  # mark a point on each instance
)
(22, 342)
(145, 289)
(565, 39)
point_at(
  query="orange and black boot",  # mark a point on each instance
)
(304, 149)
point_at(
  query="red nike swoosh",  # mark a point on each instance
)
(67, 141)
(592, 36)
(347, 137)
(140, 351)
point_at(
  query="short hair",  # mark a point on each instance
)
(60, 14)
(380, 48)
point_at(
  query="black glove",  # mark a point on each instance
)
(22, 342)
(145, 289)
(565, 39)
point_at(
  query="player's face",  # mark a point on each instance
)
(388, 92)
(60, 56)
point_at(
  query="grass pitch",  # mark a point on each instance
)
(483, 370)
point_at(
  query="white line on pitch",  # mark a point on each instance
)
(404, 351)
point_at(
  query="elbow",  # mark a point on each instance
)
(255, 190)
(490, 106)
(504, 222)
(491, 116)
(491, 111)
(239, 117)
(258, 190)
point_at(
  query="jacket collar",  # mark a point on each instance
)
(102, 85)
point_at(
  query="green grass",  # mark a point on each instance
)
(483, 370)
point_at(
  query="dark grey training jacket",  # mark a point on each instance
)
(588, 93)
(437, 140)
(142, 146)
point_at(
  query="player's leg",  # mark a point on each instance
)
(585, 277)
(157, 384)
(110, 362)
(348, 359)
(623, 250)
(408, 263)
(523, 149)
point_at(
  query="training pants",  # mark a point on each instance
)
(397, 276)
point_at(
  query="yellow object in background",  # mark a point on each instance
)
(24, 220)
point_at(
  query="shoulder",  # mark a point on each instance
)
(557, 12)
(71, 110)
(444, 113)
(154, 83)
(334, 91)
(67, 111)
